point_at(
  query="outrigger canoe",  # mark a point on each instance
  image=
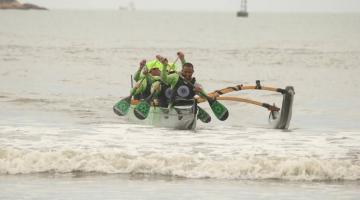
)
(179, 117)
(185, 117)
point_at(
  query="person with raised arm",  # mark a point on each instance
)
(183, 85)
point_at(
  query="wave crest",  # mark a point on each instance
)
(14, 161)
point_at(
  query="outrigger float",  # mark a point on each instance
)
(185, 116)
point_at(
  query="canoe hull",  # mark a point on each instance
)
(179, 117)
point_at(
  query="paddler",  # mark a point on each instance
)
(183, 85)
(156, 65)
(149, 80)
(145, 78)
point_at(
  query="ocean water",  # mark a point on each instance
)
(62, 71)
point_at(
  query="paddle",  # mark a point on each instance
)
(121, 108)
(142, 109)
(203, 115)
(220, 111)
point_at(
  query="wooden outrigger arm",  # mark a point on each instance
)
(286, 107)
(235, 88)
(239, 99)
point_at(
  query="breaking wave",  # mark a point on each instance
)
(16, 161)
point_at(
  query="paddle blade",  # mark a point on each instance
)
(121, 108)
(220, 111)
(203, 115)
(142, 110)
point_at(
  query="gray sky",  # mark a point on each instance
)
(209, 5)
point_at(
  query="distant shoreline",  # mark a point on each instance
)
(13, 4)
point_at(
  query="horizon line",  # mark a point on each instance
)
(200, 11)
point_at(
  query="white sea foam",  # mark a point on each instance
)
(220, 152)
(16, 161)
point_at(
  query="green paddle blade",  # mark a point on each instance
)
(220, 111)
(121, 108)
(203, 115)
(142, 110)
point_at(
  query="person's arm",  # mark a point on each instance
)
(198, 88)
(141, 85)
(137, 75)
(164, 73)
(170, 79)
(181, 57)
